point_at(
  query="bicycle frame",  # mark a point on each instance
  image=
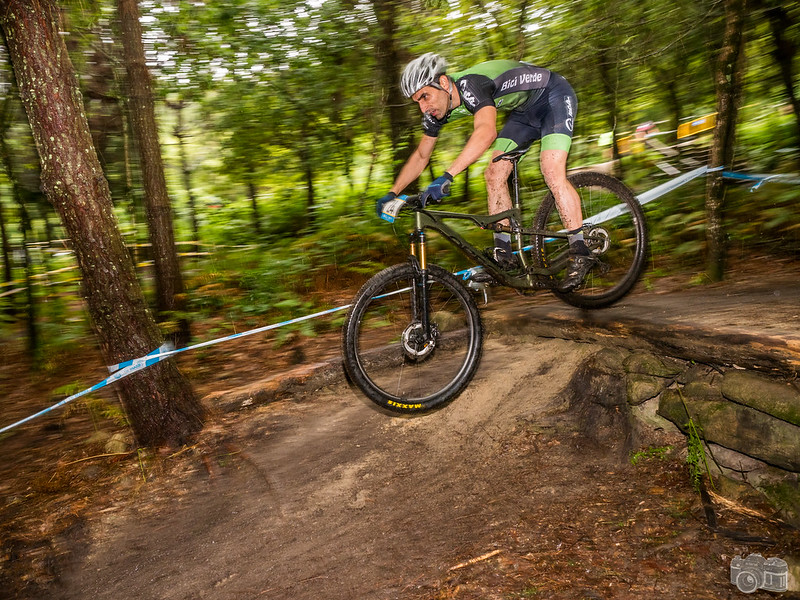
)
(532, 277)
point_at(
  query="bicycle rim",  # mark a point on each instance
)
(617, 237)
(386, 352)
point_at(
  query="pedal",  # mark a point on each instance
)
(478, 276)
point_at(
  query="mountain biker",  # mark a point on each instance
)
(542, 106)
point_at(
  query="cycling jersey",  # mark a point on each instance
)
(541, 102)
(505, 84)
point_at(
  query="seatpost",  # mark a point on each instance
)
(515, 181)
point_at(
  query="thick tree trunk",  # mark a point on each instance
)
(159, 402)
(169, 282)
(728, 78)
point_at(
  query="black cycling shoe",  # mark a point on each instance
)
(503, 258)
(577, 269)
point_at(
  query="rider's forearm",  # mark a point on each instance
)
(484, 134)
(479, 142)
(415, 165)
(409, 173)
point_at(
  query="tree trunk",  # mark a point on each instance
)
(169, 282)
(159, 402)
(180, 133)
(609, 79)
(253, 193)
(784, 54)
(728, 79)
(390, 65)
(30, 299)
(8, 275)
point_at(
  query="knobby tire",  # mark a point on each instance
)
(380, 355)
(620, 243)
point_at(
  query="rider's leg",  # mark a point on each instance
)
(553, 163)
(499, 199)
(496, 176)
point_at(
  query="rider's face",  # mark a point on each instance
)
(432, 100)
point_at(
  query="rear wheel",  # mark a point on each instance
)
(614, 230)
(390, 354)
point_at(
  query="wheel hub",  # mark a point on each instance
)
(598, 240)
(416, 344)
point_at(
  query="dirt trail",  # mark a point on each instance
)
(496, 496)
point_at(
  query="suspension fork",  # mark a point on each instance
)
(419, 291)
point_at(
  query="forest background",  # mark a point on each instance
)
(279, 124)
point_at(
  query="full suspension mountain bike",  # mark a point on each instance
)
(412, 339)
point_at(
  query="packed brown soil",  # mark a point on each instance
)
(319, 495)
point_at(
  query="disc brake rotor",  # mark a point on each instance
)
(416, 344)
(598, 240)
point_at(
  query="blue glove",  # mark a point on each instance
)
(388, 207)
(437, 190)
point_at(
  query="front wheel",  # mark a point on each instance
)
(400, 362)
(614, 230)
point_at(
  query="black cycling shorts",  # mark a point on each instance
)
(550, 118)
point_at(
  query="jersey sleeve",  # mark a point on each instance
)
(431, 126)
(476, 91)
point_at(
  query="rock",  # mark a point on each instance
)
(793, 580)
(785, 496)
(609, 360)
(702, 388)
(650, 364)
(644, 387)
(597, 394)
(776, 398)
(119, 443)
(99, 438)
(737, 427)
(698, 372)
(646, 415)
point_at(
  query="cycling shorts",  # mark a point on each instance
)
(550, 118)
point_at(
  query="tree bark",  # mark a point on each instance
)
(784, 54)
(252, 192)
(390, 65)
(8, 275)
(728, 81)
(608, 76)
(186, 171)
(169, 282)
(6, 243)
(159, 402)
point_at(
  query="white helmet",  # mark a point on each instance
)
(422, 71)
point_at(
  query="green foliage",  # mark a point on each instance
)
(288, 133)
(696, 451)
(654, 452)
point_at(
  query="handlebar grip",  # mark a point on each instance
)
(413, 200)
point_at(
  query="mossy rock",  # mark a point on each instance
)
(646, 363)
(737, 427)
(777, 398)
(609, 360)
(642, 388)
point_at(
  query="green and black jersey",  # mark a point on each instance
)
(505, 84)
